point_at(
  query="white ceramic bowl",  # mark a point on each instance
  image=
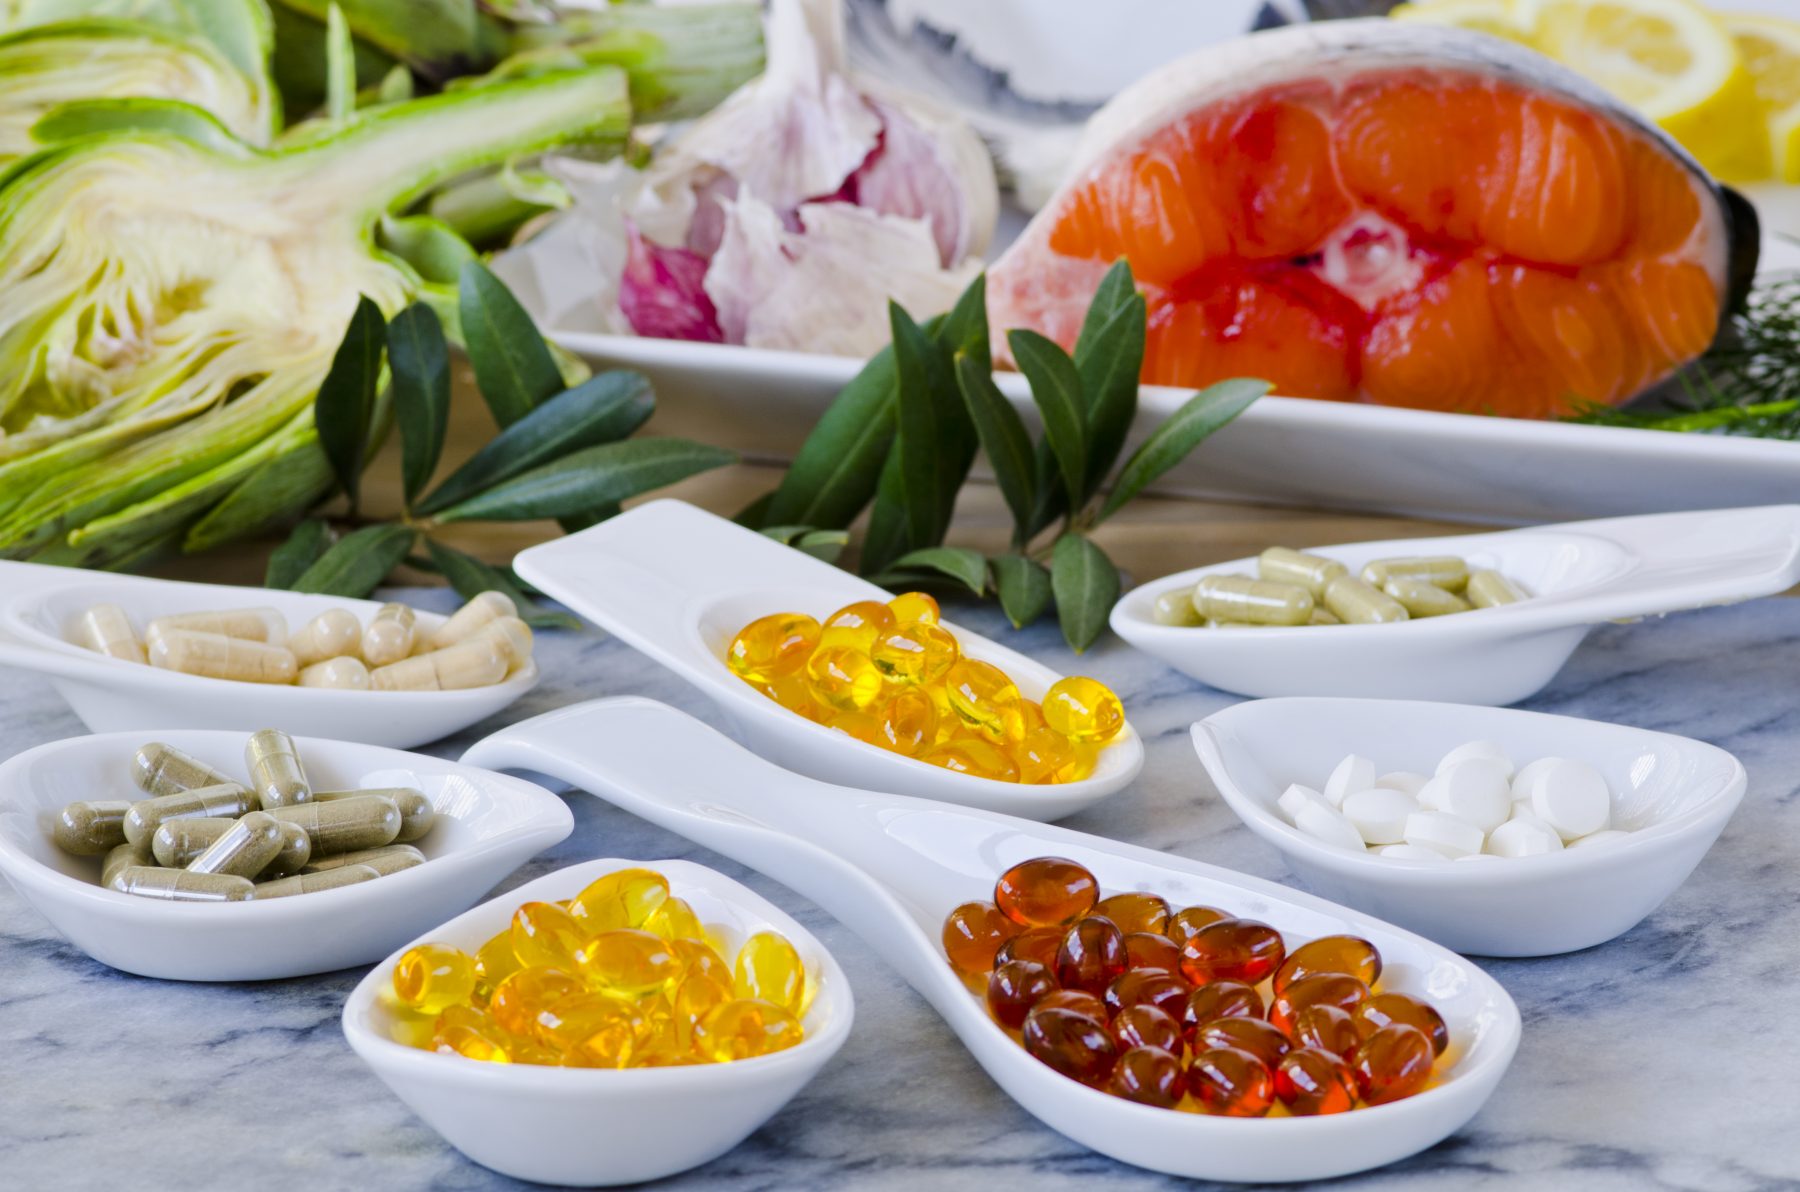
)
(890, 868)
(36, 633)
(1580, 574)
(581, 1126)
(678, 583)
(1674, 795)
(487, 825)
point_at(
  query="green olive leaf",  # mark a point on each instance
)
(289, 561)
(1023, 586)
(1003, 437)
(961, 564)
(587, 479)
(419, 362)
(471, 577)
(838, 467)
(514, 367)
(1180, 433)
(344, 410)
(359, 561)
(1086, 585)
(1056, 390)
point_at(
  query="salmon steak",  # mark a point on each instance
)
(1406, 215)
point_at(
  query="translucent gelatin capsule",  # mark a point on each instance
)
(696, 995)
(1148, 987)
(510, 636)
(388, 859)
(518, 999)
(433, 977)
(481, 610)
(1326, 1028)
(178, 885)
(742, 1029)
(915, 652)
(1070, 1043)
(243, 850)
(1392, 1064)
(980, 693)
(1401, 1009)
(264, 624)
(915, 606)
(1149, 950)
(1046, 756)
(345, 825)
(628, 962)
(296, 851)
(593, 1030)
(1445, 571)
(469, 1033)
(228, 800)
(124, 857)
(675, 920)
(1490, 589)
(160, 769)
(1036, 944)
(334, 633)
(1230, 1082)
(773, 647)
(1149, 1076)
(1091, 956)
(105, 629)
(1422, 599)
(1219, 999)
(478, 662)
(699, 957)
(1135, 910)
(495, 961)
(215, 656)
(1185, 923)
(768, 967)
(313, 883)
(89, 829)
(1259, 602)
(1046, 892)
(1330, 954)
(973, 756)
(1311, 1082)
(1280, 565)
(842, 677)
(177, 842)
(1014, 987)
(1354, 602)
(908, 723)
(857, 625)
(389, 635)
(1321, 989)
(276, 774)
(545, 934)
(339, 674)
(417, 815)
(1146, 1026)
(1261, 1039)
(623, 898)
(1232, 950)
(973, 933)
(1176, 607)
(1083, 709)
(1078, 1000)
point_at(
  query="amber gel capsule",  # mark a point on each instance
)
(228, 800)
(90, 829)
(165, 770)
(105, 629)
(275, 770)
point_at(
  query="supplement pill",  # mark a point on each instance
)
(1240, 598)
(1450, 836)
(1356, 603)
(1083, 709)
(1280, 565)
(228, 800)
(179, 885)
(416, 812)
(478, 612)
(334, 633)
(1445, 571)
(1328, 824)
(1421, 599)
(245, 850)
(264, 625)
(388, 859)
(312, 883)
(1353, 773)
(296, 851)
(176, 843)
(165, 770)
(89, 829)
(216, 656)
(389, 636)
(1380, 814)
(1176, 607)
(344, 674)
(275, 770)
(478, 662)
(105, 629)
(510, 636)
(1572, 797)
(1490, 589)
(773, 647)
(1469, 751)
(345, 825)
(120, 859)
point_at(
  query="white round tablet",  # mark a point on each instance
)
(1379, 814)
(1354, 773)
(1447, 834)
(1523, 838)
(1295, 797)
(1402, 780)
(1528, 774)
(1474, 790)
(1572, 797)
(1326, 823)
(1412, 852)
(1601, 838)
(1477, 750)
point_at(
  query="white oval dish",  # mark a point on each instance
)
(487, 825)
(677, 583)
(111, 695)
(583, 1126)
(1674, 795)
(890, 868)
(1579, 574)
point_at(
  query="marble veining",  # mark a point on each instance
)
(1663, 1060)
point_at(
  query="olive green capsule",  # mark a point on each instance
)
(390, 859)
(1324, 616)
(1240, 598)
(1490, 589)
(312, 883)
(1421, 599)
(416, 812)
(1356, 603)
(296, 851)
(1176, 607)
(227, 800)
(176, 843)
(275, 769)
(121, 859)
(165, 770)
(1280, 565)
(245, 850)
(182, 885)
(345, 825)
(389, 637)
(89, 829)
(1446, 571)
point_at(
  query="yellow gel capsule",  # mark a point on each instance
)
(697, 995)
(334, 633)
(406, 1025)
(521, 997)
(857, 625)
(627, 963)
(105, 629)
(1176, 608)
(914, 606)
(795, 694)
(773, 647)
(430, 977)
(216, 656)
(591, 1030)
(769, 968)
(675, 920)
(545, 934)
(495, 961)
(974, 755)
(859, 726)
(623, 898)
(464, 1031)
(743, 1029)
(980, 693)
(1083, 709)
(1042, 755)
(697, 956)
(389, 636)
(908, 723)
(915, 652)
(843, 678)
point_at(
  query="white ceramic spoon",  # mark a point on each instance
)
(678, 583)
(892, 867)
(1579, 574)
(39, 606)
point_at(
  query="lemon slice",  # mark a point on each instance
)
(1495, 17)
(1770, 48)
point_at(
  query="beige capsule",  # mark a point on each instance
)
(1421, 599)
(264, 625)
(343, 674)
(481, 610)
(1176, 607)
(105, 629)
(245, 850)
(165, 770)
(345, 825)
(1280, 565)
(511, 636)
(388, 859)
(312, 883)
(478, 662)
(1446, 571)
(216, 656)
(120, 859)
(1354, 602)
(389, 637)
(181, 885)
(416, 812)
(334, 633)
(1240, 598)
(89, 829)
(1324, 616)
(1490, 589)
(228, 800)
(275, 771)
(178, 842)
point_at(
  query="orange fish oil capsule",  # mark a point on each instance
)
(1147, 950)
(1312, 1082)
(593, 1030)
(1046, 892)
(1232, 950)
(105, 629)
(1219, 999)
(1077, 1000)
(1185, 923)
(1231, 1082)
(1149, 1076)
(768, 968)
(628, 962)
(973, 933)
(1261, 1039)
(389, 635)
(334, 633)
(773, 647)
(1330, 954)
(980, 693)
(1400, 1009)
(1135, 911)
(432, 977)
(495, 961)
(1070, 1043)
(623, 898)
(1083, 709)
(842, 677)
(915, 606)
(745, 1028)
(521, 997)
(975, 757)
(857, 625)
(1014, 987)
(1324, 989)
(1392, 1064)
(1091, 956)
(215, 656)
(1036, 944)
(1326, 1028)
(915, 652)
(545, 934)
(1146, 1026)
(908, 723)
(1148, 987)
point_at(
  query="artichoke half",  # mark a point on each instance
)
(169, 305)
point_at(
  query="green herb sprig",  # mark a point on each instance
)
(902, 436)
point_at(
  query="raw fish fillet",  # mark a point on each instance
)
(1398, 214)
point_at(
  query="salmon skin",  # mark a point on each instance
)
(1401, 214)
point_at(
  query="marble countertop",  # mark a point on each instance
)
(1663, 1060)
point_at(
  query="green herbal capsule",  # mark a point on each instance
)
(89, 829)
(296, 852)
(1446, 571)
(165, 770)
(181, 885)
(312, 883)
(390, 859)
(1355, 603)
(1240, 598)
(1421, 599)
(1280, 565)
(243, 851)
(1324, 616)
(120, 859)
(227, 800)
(275, 769)
(177, 842)
(1490, 589)
(1176, 607)
(345, 825)
(416, 812)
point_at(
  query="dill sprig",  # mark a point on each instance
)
(1747, 383)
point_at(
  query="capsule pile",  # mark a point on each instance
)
(1193, 1009)
(478, 646)
(890, 675)
(1292, 588)
(623, 975)
(199, 835)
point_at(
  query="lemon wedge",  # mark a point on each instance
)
(1770, 48)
